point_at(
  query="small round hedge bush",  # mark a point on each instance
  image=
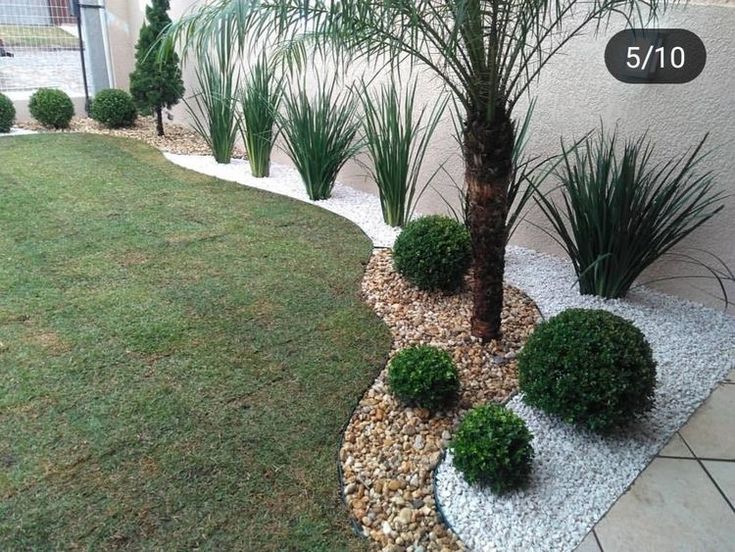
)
(7, 113)
(114, 108)
(424, 376)
(433, 253)
(492, 448)
(51, 107)
(589, 367)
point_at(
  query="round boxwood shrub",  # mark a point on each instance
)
(51, 107)
(424, 376)
(492, 448)
(589, 367)
(7, 113)
(114, 108)
(433, 253)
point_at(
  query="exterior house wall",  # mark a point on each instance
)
(574, 95)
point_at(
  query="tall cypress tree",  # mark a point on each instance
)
(155, 84)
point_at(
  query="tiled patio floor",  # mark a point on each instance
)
(685, 499)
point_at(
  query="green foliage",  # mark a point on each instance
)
(589, 367)
(397, 139)
(319, 133)
(51, 107)
(492, 447)
(486, 53)
(156, 81)
(113, 108)
(213, 108)
(424, 376)
(261, 97)
(7, 113)
(620, 213)
(433, 253)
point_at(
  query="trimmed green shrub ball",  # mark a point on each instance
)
(492, 448)
(114, 108)
(589, 367)
(51, 107)
(7, 113)
(433, 253)
(424, 376)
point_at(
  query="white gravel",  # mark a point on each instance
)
(360, 207)
(14, 131)
(577, 475)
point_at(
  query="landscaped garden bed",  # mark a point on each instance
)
(390, 450)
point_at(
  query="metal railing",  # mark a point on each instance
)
(39, 47)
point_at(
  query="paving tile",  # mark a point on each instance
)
(711, 430)
(724, 474)
(672, 506)
(676, 447)
(589, 544)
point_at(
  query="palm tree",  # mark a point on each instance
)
(486, 52)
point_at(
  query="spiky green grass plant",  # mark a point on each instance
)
(213, 109)
(397, 138)
(319, 133)
(261, 96)
(620, 210)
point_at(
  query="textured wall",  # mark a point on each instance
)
(574, 95)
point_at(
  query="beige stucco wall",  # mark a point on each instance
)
(574, 94)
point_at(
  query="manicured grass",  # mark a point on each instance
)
(37, 36)
(178, 355)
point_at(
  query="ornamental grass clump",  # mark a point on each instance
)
(424, 376)
(588, 367)
(213, 108)
(433, 253)
(114, 108)
(397, 139)
(620, 211)
(492, 448)
(261, 96)
(319, 134)
(51, 107)
(7, 113)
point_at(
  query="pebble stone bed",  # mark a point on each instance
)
(389, 451)
(178, 139)
(577, 475)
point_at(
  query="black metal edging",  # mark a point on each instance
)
(355, 523)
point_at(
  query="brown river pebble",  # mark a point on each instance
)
(389, 450)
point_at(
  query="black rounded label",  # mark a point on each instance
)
(655, 56)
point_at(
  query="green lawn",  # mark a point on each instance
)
(36, 36)
(177, 355)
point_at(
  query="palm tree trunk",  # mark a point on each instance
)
(159, 121)
(488, 153)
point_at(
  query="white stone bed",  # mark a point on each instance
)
(361, 208)
(577, 476)
(15, 131)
